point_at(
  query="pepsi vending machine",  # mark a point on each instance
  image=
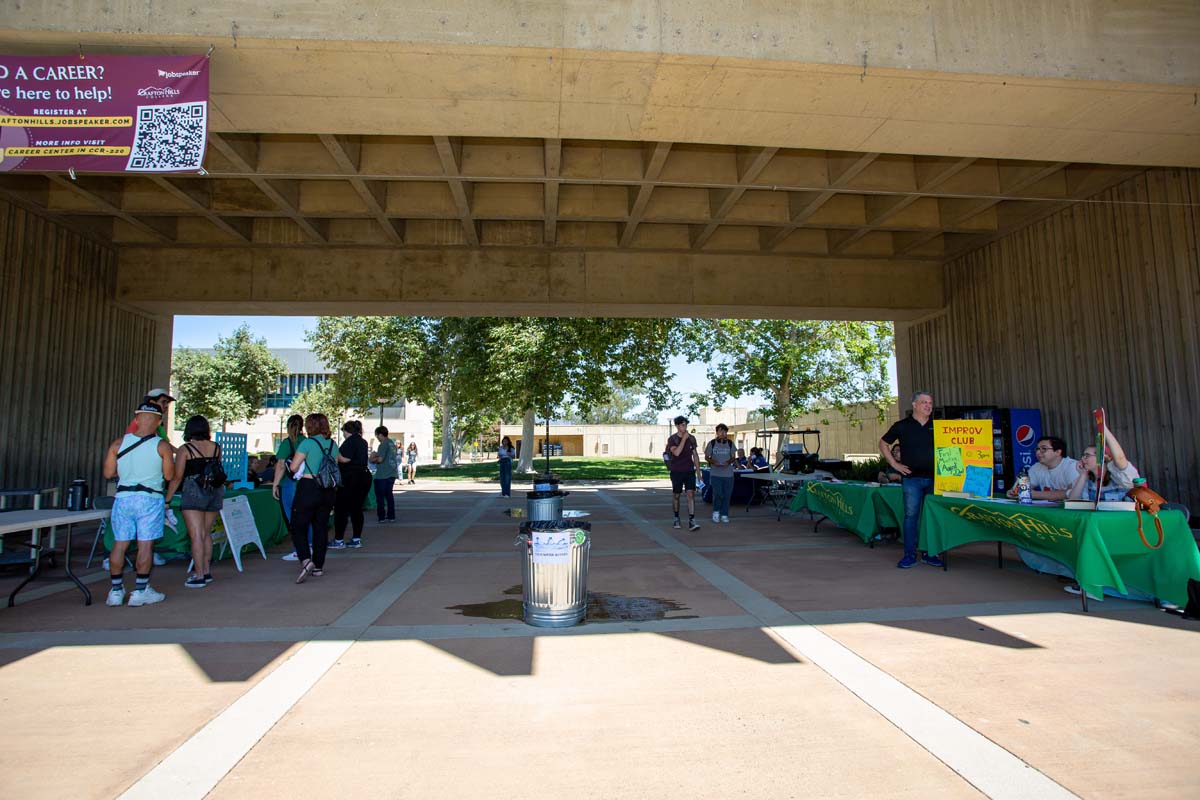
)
(1015, 432)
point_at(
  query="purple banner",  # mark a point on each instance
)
(103, 113)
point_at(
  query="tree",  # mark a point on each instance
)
(795, 366)
(321, 398)
(543, 363)
(618, 409)
(441, 362)
(230, 383)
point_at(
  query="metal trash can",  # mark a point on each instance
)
(554, 567)
(545, 506)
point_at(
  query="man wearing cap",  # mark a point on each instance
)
(684, 464)
(160, 398)
(142, 463)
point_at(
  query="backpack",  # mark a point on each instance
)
(212, 475)
(328, 476)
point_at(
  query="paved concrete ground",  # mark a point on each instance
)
(786, 663)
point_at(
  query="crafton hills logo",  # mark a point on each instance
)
(831, 497)
(1017, 524)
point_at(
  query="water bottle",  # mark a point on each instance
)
(1024, 493)
(77, 495)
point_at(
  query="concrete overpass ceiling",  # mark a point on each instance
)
(607, 151)
(320, 190)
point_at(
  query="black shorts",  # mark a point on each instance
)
(683, 480)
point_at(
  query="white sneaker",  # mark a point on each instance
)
(724, 518)
(716, 517)
(291, 557)
(145, 597)
(159, 560)
(116, 596)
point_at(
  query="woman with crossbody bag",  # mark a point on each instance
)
(196, 464)
(313, 501)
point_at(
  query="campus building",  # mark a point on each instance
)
(621, 441)
(406, 421)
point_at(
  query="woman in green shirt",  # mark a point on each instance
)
(385, 476)
(313, 502)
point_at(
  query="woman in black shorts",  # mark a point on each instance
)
(200, 505)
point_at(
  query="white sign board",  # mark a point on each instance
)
(240, 529)
(552, 547)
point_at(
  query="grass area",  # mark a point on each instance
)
(567, 469)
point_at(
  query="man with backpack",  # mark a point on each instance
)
(142, 463)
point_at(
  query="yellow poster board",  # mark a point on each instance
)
(962, 456)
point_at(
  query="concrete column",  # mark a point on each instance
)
(904, 379)
(160, 368)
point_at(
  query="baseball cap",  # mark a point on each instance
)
(147, 408)
(153, 393)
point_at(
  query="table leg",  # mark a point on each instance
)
(87, 595)
(999, 555)
(12, 598)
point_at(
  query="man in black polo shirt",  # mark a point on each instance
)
(915, 435)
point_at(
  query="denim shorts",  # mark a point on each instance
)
(138, 516)
(196, 499)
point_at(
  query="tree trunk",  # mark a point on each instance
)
(527, 443)
(447, 407)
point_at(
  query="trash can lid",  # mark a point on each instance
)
(542, 495)
(555, 525)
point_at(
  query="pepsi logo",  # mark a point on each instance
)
(1025, 435)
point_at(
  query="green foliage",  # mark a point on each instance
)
(549, 364)
(618, 409)
(228, 384)
(475, 370)
(795, 366)
(866, 470)
(321, 398)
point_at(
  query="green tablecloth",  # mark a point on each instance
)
(863, 510)
(268, 518)
(1103, 547)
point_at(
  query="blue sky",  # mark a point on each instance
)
(289, 332)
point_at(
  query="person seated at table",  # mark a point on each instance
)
(889, 474)
(757, 459)
(1054, 472)
(1049, 479)
(741, 462)
(265, 473)
(1119, 472)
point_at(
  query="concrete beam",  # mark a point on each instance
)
(1111, 40)
(516, 281)
(1096, 81)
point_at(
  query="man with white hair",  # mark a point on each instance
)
(142, 463)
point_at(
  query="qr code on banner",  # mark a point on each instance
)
(169, 138)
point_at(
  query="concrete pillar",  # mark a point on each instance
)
(904, 379)
(160, 368)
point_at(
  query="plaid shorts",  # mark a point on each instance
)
(138, 516)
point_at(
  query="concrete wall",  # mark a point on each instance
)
(73, 363)
(1096, 305)
(840, 436)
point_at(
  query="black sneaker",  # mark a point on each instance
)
(693, 525)
(208, 578)
(195, 582)
(676, 524)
